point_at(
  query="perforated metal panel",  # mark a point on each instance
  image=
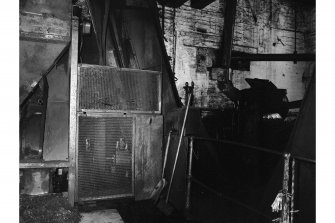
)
(108, 88)
(105, 156)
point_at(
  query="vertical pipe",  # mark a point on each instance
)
(292, 190)
(73, 109)
(189, 180)
(286, 178)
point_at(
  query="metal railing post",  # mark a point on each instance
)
(189, 180)
(292, 190)
(286, 209)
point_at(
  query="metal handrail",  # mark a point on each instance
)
(286, 195)
(262, 149)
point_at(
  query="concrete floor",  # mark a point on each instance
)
(102, 216)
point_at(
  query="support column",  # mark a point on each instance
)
(73, 110)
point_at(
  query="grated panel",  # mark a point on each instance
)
(105, 156)
(108, 88)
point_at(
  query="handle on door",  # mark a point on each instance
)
(88, 145)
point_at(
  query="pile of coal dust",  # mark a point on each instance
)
(51, 208)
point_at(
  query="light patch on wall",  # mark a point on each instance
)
(292, 80)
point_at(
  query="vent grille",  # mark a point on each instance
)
(105, 156)
(108, 88)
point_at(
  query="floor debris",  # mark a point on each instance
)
(51, 208)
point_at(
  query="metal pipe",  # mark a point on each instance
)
(178, 148)
(286, 177)
(272, 57)
(189, 181)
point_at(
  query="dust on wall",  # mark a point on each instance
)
(260, 27)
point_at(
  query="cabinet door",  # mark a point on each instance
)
(105, 157)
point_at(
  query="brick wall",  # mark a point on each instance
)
(198, 36)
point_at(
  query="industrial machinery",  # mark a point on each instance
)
(94, 121)
(265, 95)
